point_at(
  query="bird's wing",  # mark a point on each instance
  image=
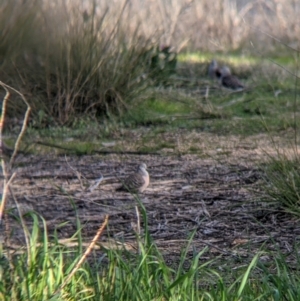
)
(133, 183)
(231, 82)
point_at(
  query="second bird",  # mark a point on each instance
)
(227, 80)
(213, 69)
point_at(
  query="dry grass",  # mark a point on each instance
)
(218, 25)
(77, 62)
(72, 58)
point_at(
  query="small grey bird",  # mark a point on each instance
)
(137, 182)
(227, 80)
(213, 69)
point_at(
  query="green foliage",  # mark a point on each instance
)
(37, 273)
(282, 181)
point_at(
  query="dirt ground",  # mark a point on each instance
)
(219, 199)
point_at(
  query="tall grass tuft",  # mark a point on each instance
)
(76, 62)
(282, 182)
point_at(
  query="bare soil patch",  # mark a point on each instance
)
(217, 199)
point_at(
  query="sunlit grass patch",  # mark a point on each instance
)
(234, 59)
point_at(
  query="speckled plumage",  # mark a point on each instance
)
(137, 182)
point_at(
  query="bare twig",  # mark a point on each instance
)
(5, 189)
(79, 176)
(138, 220)
(96, 184)
(138, 227)
(7, 180)
(4, 104)
(24, 125)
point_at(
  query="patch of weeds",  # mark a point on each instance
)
(282, 181)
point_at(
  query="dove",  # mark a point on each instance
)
(137, 182)
(213, 69)
(227, 80)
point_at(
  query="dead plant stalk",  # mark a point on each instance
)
(86, 253)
